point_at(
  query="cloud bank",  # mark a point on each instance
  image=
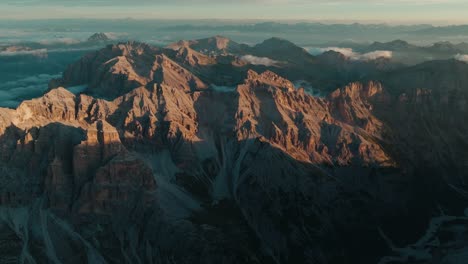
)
(462, 57)
(376, 55)
(13, 92)
(37, 52)
(350, 53)
(258, 60)
(65, 41)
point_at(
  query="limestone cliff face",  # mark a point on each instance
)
(354, 104)
(55, 144)
(312, 129)
(118, 69)
(98, 160)
(166, 106)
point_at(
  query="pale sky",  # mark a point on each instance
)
(390, 11)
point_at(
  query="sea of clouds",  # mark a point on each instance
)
(13, 92)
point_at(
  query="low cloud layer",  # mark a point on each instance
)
(13, 92)
(65, 41)
(350, 53)
(258, 60)
(37, 52)
(462, 57)
(376, 54)
(44, 52)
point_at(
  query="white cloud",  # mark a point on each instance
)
(40, 78)
(376, 54)
(37, 52)
(74, 49)
(258, 60)
(462, 57)
(350, 53)
(66, 41)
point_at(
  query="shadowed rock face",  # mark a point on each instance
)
(98, 37)
(151, 164)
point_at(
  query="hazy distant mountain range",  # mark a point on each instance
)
(303, 33)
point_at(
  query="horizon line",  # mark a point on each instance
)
(434, 23)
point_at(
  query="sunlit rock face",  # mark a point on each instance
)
(188, 154)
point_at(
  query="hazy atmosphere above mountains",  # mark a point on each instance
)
(390, 11)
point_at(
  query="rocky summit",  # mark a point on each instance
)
(207, 152)
(98, 37)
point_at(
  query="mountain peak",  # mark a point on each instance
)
(217, 42)
(212, 45)
(269, 78)
(192, 57)
(398, 42)
(133, 48)
(444, 46)
(282, 50)
(98, 37)
(277, 41)
(391, 45)
(332, 57)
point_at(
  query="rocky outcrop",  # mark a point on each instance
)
(307, 128)
(211, 46)
(63, 147)
(186, 55)
(98, 37)
(118, 69)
